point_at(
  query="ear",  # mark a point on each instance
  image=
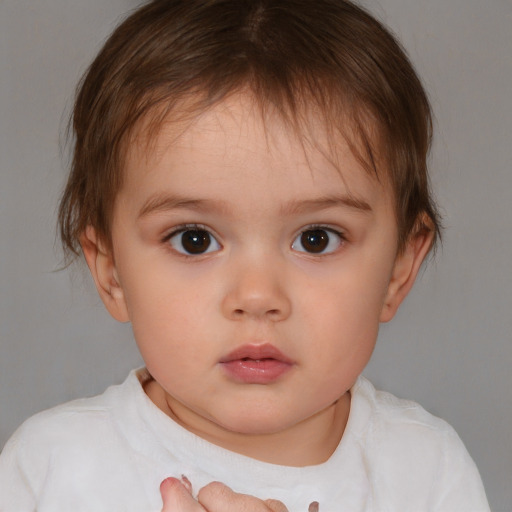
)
(405, 270)
(100, 261)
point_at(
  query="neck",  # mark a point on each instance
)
(307, 443)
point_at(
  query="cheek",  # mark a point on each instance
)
(341, 318)
(157, 290)
(350, 299)
(163, 310)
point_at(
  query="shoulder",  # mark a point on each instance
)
(407, 445)
(77, 456)
(80, 415)
(388, 415)
(67, 420)
(63, 432)
(402, 427)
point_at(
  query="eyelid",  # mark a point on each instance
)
(182, 228)
(340, 233)
(326, 227)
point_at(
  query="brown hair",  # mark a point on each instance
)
(290, 54)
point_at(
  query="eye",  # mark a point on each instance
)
(193, 241)
(318, 241)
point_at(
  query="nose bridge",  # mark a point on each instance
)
(257, 288)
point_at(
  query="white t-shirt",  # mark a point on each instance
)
(110, 453)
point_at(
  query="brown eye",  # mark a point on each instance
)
(317, 241)
(193, 241)
(314, 240)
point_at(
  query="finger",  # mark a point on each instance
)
(186, 482)
(177, 498)
(275, 506)
(217, 497)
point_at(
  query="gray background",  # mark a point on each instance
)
(450, 346)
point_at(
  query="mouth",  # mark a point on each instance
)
(256, 364)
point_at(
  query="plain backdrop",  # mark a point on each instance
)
(449, 348)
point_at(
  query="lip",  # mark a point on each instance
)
(256, 364)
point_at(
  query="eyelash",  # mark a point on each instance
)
(321, 227)
(183, 229)
(202, 228)
(324, 227)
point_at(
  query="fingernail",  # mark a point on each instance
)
(186, 482)
(314, 507)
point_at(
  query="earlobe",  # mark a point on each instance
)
(100, 261)
(405, 271)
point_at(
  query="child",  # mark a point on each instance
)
(249, 189)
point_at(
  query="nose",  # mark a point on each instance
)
(256, 290)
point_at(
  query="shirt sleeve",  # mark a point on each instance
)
(458, 485)
(17, 492)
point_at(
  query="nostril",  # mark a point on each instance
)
(239, 312)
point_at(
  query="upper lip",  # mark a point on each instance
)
(256, 352)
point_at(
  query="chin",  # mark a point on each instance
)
(258, 424)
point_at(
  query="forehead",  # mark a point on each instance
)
(237, 138)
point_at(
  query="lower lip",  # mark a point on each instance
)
(252, 371)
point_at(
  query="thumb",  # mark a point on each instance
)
(177, 498)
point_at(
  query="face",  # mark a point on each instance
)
(255, 274)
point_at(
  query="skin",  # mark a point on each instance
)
(215, 497)
(253, 186)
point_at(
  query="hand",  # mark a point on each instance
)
(214, 497)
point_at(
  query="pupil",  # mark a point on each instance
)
(314, 240)
(195, 241)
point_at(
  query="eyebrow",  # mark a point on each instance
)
(162, 203)
(324, 203)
